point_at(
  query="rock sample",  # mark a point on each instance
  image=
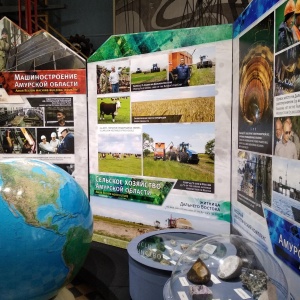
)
(184, 246)
(203, 256)
(199, 273)
(173, 243)
(200, 292)
(230, 268)
(270, 293)
(255, 281)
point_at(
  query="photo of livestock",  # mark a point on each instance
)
(120, 153)
(113, 110)
(179, 151)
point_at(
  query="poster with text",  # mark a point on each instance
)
(160, 135)
(43, 112)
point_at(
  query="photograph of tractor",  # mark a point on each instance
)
(186, 155)
(155, 68)
(182, 153)
(204, 62)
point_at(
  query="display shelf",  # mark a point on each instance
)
(152, 257)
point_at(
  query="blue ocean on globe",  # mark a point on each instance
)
(45, 230)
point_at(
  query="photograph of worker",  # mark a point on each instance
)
(56, 140)
(192, 66)
(286, 188)
(149, 72)
(18, 140)
(287, 71)
(286, 137)
(174, 105)
(179, 151)
(22, 116)
(113, 110)
(254, 177)
(59, 116)
(256, 88)
(287, 25)
(113, 77)
(120, 149)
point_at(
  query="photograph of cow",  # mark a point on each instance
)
(113, 110)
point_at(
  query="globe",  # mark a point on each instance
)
(45, 229)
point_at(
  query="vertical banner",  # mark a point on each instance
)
(159, 128)
(43, 110)
(266, 129)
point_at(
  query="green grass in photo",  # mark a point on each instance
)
(138, 78)
(126, 165)
(123, 115)
(202, 172)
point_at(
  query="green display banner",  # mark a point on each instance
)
(125, 45)
(128, 188)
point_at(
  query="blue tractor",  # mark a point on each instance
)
(186, 155)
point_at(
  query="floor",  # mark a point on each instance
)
(104, 275)
(83, 291)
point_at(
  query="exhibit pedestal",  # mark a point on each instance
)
(152, 257)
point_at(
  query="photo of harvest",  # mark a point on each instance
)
(194, 104)
(176, 110)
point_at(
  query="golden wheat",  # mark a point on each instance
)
(200, 109)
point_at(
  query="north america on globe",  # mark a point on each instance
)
(45, 230)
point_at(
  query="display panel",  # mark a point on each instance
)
(159, 135)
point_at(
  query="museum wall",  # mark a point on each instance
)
(265, 131)
(137, 16)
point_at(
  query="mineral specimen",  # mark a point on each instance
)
(255, 281)
(184, 246)
(270, 293)
(203, 256)
(230, 268)
(200, 292)
(171, 252)
(173, 243)
(199, 273)
(165, 262)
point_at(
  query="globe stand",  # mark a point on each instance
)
(64, 294)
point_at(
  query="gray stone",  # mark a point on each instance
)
(255, 281)
(230, 268)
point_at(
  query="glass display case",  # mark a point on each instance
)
(153, 256)
(226, 267)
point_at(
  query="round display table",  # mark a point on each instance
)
(152, 257)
